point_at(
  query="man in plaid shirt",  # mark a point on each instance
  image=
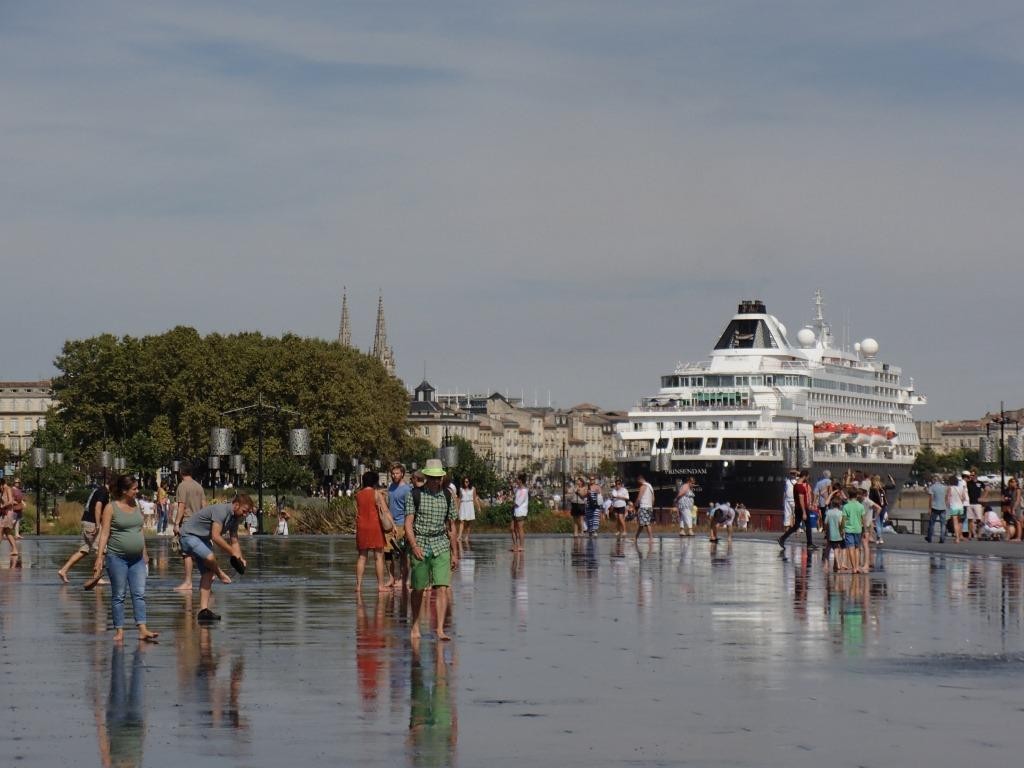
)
(429, 514)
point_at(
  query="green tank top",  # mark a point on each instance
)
(126, 532)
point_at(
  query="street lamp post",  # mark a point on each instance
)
(261, 409)
(1003, 421)
(38, 462)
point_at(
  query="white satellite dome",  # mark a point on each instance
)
(806, 337)
(869, 347)
(856, 347)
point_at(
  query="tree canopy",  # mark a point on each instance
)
(155, 398)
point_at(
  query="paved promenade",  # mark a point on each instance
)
(586, 653)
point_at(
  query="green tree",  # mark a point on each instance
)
(285, 475)
(173, 387)
(416, 450)
(476, 467)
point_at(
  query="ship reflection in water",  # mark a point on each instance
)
(700, 653)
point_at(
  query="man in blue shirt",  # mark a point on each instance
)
(398, 497)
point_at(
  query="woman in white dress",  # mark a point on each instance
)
(469, 505)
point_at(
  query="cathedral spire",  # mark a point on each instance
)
(381, 350)
(345, 328)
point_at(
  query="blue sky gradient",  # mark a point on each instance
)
(574, 195)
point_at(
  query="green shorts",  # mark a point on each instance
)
(433, 570)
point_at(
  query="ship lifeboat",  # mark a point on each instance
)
(824, 430)
(862, 436)
(878, 436)
(847, 433)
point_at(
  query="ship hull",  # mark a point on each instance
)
(757, 484)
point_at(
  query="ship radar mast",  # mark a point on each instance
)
(823, 328)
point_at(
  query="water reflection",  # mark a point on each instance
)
(433, 720)
(122, 731)
(298, 671)
(371, 645)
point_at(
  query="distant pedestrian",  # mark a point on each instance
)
(578, 507)
(822, 492)
(1013, 508)
(644, 509)
(163, 509)
(937, 495)
(7, 516)
(721, 515)
(469, 505)
(684, 505)
(879, 494)
(214, 526)
(520, 509)
(282, 522)
(834, 540)
(802, 500)
(595, 500)
(122, 547)
(397, 560)
(99, 497)
(788, 499)
(853, 528)
(18, 494)
(956, 504)
(369, 535)
(975, 495)
(190, 498)
(620, 497)
(742, 516)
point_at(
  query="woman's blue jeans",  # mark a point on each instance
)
(126, 575)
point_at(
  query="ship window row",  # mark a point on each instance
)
(873, 407)
(700, 400)
(660, 426)
(748, 380)
(843, 386)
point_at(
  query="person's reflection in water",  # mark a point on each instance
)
(520, 590)
(218, 698)
(370, 649)
(800, 585)
(433, 722)
(123, 731)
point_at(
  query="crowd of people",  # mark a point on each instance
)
(412, 530)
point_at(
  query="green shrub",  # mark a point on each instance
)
(322, 516)
(81, 495)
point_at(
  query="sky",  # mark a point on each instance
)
(556, 199)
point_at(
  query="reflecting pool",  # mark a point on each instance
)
(588, 653)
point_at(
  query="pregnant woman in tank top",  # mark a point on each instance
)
(123, 547)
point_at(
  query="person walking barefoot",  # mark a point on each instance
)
(369, 535)
(644, 509)
(7, 521)
(430, 533)
(520, 508)
(469, 505)
(123, 547)
(190, 498)
(91, 515)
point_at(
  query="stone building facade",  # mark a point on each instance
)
(515, 437)
(23, 407)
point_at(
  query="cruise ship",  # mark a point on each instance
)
(763, 404)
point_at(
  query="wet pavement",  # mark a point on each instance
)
(590, 653)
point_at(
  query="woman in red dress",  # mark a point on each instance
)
(369, 536)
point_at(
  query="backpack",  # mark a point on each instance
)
(417, 492)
